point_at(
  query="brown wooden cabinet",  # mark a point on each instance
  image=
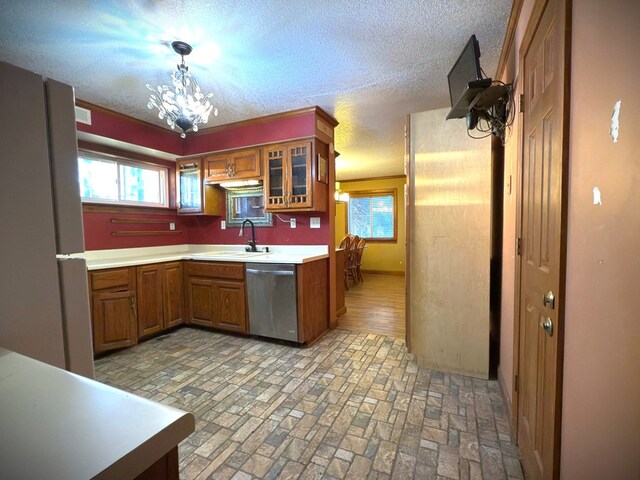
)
(233, 165)
(193, 195)
(216, 295)
(230, 306)
(291, 181)
(313, 300)
(160, 299)
(149, 295)
(113, 308)
(200, 301)
(172, 294)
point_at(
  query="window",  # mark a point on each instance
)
(372, 215)
(108, 179)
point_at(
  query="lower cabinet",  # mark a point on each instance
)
(313, 306)
(134, 302)
(150, 314)
(215, 295)
(113, 308)
(160, 299)
(172, 294)
(229, 306)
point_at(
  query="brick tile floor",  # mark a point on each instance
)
(353, 406)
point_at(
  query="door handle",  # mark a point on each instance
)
(549, 300)
(547, 326)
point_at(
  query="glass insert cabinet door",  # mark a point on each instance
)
(190, 187)
(276, 178)
(298, 155)
(288, 176)
(299, 160)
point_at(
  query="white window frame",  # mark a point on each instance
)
(122, 161)
(390, 192)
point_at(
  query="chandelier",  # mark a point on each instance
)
(182, 105)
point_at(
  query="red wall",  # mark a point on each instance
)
(98, 229)
(207, 230)
(198, 229)
(130, 130)
(273, 131)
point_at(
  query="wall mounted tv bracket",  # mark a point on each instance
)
(495, 106)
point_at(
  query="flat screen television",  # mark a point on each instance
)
(465, 79)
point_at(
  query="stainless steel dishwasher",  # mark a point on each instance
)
(271, 292)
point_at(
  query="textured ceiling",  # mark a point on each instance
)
(368, 63)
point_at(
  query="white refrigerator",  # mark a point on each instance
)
(44, 299)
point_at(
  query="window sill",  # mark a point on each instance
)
(114, 208)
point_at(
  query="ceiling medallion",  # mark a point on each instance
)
(183, 104)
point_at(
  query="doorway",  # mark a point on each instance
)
(375, 298)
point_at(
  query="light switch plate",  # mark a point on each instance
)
(223, 225)
(314, 222)
(172, 226)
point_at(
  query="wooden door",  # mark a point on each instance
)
(200, 301)
(172, 294)
(274, 180)
(188, 186)
(149, 290)
(246, 163)
(543, 241)
(230, 306)
(114, 320)
(216, 167)
(299, 175)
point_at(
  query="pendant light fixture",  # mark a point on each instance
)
(183, 104)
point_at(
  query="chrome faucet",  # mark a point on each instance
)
(251, 244)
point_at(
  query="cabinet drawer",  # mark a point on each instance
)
(218, 270)
(111, 279)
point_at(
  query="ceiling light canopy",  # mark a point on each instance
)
(183, 105)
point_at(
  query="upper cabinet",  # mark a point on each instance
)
(234, 165)
(194, 197)
(291, 152)
(291, 178)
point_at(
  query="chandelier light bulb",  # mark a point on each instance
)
(184, 106)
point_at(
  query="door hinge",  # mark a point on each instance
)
(516, 385)
(521, 103)
(519, 246)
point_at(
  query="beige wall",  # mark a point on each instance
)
(601, 394)
(601, 382)
(450, 245)
(378, 256)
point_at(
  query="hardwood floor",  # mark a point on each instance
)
(376, 305)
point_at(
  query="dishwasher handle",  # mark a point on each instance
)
(271, 272)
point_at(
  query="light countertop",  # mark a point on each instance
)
(126, 257)
(55, 424)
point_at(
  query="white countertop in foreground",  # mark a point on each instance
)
(127, 257)
(55, 424)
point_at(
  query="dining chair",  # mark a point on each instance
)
(350, 265)
(358, 260)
